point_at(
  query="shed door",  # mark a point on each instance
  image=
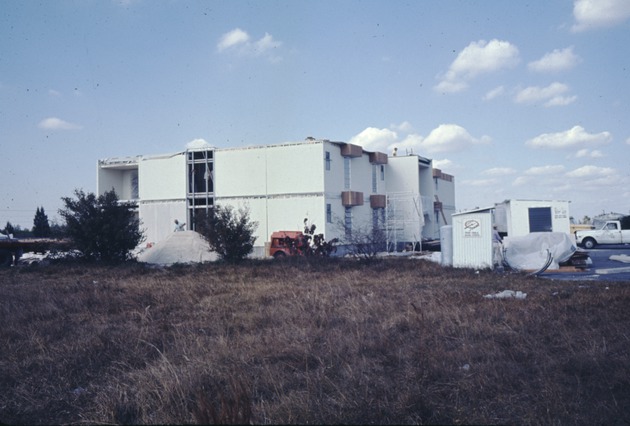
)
(540, 219)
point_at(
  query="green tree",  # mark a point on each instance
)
(101, 227)
(9, 229)
(41, 227)
(229, 232)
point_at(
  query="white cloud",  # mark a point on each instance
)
(404, 127)
(54, 123)
(448, 138)
(480, 182)
(589, 172)
(198, 143)
(587, 153)
(240, 42)
(53, 92)
(592, 14)
(628, 141)
(373, 139)
(232, 38)
(494, 93)
(558, 60)
(552, 95)
(443, 164)
(571, 138)
(478, 58)
(545, 170)
(499, 171)
(444, 138)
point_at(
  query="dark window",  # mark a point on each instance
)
(540, 219)
(327, 160)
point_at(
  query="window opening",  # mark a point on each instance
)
(328, 160)
(346, 172)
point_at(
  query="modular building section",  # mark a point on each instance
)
(339, 187)
(517, 218)
(472, 239)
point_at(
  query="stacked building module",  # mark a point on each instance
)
(337, 186)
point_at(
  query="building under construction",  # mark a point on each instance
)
(337, 186)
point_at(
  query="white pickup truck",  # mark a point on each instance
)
(610, 233)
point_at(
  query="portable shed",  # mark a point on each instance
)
(472, 238)
(516, 218)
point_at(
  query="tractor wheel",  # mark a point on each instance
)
(279, 255)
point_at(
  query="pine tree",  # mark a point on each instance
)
(41, 227)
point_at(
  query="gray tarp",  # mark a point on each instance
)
(530, 252)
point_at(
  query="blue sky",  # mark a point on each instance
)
(517, 100)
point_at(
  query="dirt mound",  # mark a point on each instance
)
(179, 247)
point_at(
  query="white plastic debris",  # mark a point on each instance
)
(507, 294)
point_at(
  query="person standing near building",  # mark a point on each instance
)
(179, 226)
(497, 246)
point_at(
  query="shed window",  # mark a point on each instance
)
(540, 219)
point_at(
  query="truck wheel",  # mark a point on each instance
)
(589, 243)
(279, 255)
(6, 258)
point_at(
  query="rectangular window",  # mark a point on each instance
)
(346, 172)
(540, 219)
(328, 213)
(328, 160)
(375, 219)
(382, 173)
(348, 221)
(374, 186)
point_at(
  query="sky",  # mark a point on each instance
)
(516, 99)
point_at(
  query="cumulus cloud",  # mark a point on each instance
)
(197, 144)
(558, 60)
(574, 137)
(444, 138)
(494, 93)
(449, 138)
(374, 139)
(240, 42)
(592, 14)
(587, 153)
(544, 170)
(552, 95)
(54, 123)
(443, 164)
(499, 171)
(478, 58)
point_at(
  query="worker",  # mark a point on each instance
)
(497, 246)
(179, 226)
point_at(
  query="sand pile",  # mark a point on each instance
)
(179, 247)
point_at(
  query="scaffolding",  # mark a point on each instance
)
(404, 220)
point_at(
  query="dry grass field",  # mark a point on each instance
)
(393, 341)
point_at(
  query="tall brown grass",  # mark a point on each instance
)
(393, 341)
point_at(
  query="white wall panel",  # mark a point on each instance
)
(240, 172)
(158, 218)
(162, 178)
(472, 240)
(295, 168)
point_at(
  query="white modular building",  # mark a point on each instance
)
(516, 218)
(335, 185)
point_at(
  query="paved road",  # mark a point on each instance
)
(602, 269)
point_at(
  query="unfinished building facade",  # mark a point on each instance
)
(337, 186)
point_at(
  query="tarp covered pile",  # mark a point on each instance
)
(179, 247)
(533, 251)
